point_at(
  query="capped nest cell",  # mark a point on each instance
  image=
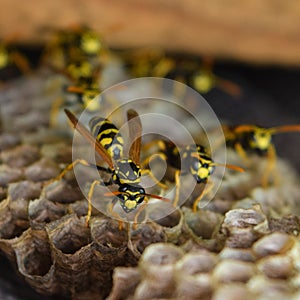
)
(242, 244)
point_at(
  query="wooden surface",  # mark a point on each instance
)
(261, 31)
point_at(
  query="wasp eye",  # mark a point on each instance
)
(196, 165)
(140, 199)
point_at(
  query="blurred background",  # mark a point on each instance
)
(254, 43)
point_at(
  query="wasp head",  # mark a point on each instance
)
(130, 196)
(261, 139)
(201, 168)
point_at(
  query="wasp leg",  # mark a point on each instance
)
(140, 209)
(114, 214)
(90, 196)
(152, 176)
(91, 193)
(148, 146)
(147, 171)
(70, 167)
(271, 164)
(56, 105)
(241, 152)
(177, 184)
(21, 62)
(206, 190)
(147, 161)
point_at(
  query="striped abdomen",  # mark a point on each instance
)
(108, 135)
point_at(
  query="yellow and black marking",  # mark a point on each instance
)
(147, 62)
(125, 172)
(77, 53)
(85, 86)
(198, 162)
(86, 89)
(74, 43)
(255, 139)
(190, 159)
(108, 135)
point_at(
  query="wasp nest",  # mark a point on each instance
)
(243, 244)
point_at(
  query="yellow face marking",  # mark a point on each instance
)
(262, 139)
(130, 204)
(203, 173)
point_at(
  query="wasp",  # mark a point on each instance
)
(189, 159)
(200, 76)
(124, 172)
(250, 138)
(79, 54)
(85, 86)
(152, 62)
(72, 44)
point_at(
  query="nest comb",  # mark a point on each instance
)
(243, 243)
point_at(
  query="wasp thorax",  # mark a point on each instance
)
(127, 172)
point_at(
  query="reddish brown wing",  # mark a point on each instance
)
(135, 134)
(89, 138)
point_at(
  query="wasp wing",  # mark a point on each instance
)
(135, 134)
(89, 138)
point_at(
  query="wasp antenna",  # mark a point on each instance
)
(243, 128)
(115, 193)
(232, 167)
(75, 89)
(158, 197)
(230, 87)
(286, 128)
